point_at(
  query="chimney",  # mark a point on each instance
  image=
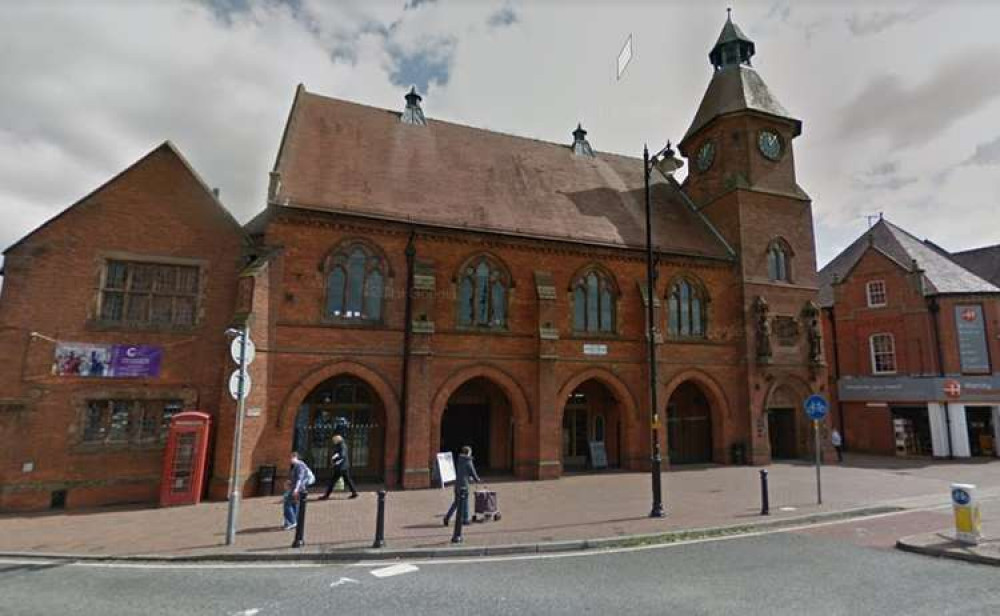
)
(413, 114)
(215, 193)
(581, 147)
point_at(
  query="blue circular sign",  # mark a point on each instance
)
(960, 496)
(816, 407)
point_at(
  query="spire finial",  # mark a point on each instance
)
(729, 13)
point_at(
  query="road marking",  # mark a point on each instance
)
(251, 612)
(655, 546)
(399, 569)
(342, 581)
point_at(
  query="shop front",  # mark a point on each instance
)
(928, 416)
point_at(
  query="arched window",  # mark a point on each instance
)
(482, 294)
(355, 284)
(779, 262)
(686, 304)
(594, 299)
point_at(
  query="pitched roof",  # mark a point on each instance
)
(165, 146)
(984, 261)
(737, 88)
(941, 272)
(343, 157)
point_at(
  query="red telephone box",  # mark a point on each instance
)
(184, 459)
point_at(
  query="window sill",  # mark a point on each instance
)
(107, 326)
(352, 323)
(578, 335)
(87, 447)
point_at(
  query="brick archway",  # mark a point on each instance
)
(624, 453)
(390, 403)
(519, 408)
(799, 389)
(718, 406)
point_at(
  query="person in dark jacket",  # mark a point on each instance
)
(465, 473)
(341, 462)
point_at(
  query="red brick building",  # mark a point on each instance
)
(440, 285)
(915, 333)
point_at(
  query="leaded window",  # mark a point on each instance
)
(779, 262)
(157, 294)
(594, 300)
(128, 420)
(482, 295)
(355, 284)
(686, 308)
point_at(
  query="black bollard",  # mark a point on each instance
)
(300, 528)
(380, 522)
(463, 498)
(765, 506)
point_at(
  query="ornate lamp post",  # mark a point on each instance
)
(665, 162)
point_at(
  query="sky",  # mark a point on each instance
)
(900, 101)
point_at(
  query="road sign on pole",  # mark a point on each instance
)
(816, 408)
(239, 387)
(234, 350)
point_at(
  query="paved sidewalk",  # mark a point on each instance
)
(942, 542)
(572, 508)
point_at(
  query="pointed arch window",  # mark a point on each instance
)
(355, 284)
(779, 262)
(686, 306)
(482, 294)
(594, 303)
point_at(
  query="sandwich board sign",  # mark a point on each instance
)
(446, 467)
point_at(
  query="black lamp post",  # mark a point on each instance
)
(666, 163)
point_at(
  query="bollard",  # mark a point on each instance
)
(380, 522)
(300, 528)
(463, 499)
(765, 506)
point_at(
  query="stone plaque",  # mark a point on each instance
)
(786, 330)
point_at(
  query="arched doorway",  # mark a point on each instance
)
(689, 425)
(782, 427)
(478, 414)
(591, 415)
(353, 400)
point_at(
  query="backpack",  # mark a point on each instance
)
(310, 478)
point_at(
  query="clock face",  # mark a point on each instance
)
(706, 154)
(769, 144)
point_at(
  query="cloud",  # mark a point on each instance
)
(413, 4)
(869, 23)
(504, 17)
(780, 11)
(909, 115)
(883, 176)
(987, 153)
(431, 62)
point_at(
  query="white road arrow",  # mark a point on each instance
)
(342, 581)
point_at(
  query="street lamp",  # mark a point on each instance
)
(664, 162)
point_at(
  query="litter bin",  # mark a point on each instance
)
(738, 453)
(265, 480)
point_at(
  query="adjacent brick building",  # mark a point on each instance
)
(440, 285)
(915, 333)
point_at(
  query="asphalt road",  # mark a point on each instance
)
(784, 573)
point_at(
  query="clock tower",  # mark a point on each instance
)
(742, 178)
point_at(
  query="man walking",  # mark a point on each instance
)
(838, 444)
(465, 472)
(341, 462)
(301, 477)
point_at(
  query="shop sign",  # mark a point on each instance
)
(972, 348)
(919, 389)
(106, 360)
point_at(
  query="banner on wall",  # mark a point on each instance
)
(107, 360)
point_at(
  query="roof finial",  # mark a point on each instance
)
(729, 13)
(413, 114)
(581, 147)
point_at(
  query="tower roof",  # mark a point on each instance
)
(735, 85)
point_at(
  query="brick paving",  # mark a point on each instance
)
(575, 507)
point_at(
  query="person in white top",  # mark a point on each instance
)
(838, 444)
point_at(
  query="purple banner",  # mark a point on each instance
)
(135, 361)
(107, 361)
